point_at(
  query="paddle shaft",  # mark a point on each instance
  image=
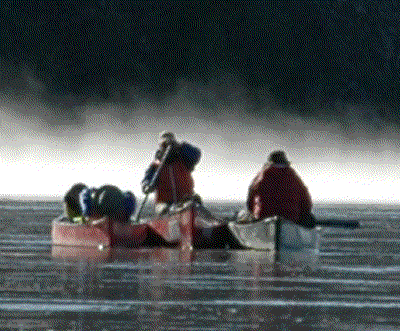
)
(335, 223)
(153, 181)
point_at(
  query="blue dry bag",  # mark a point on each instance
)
(130, 203)
(86, 202)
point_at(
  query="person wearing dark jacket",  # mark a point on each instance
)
(174, 183)
(278, 190)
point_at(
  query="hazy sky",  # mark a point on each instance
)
(38, 159)
(86, 87)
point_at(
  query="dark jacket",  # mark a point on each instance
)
(278, 190)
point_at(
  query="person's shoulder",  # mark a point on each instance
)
(271, 169)
(268, 166)
(185, 144)
(295, 175)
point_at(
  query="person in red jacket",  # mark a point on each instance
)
(174, 183)
(278, 190)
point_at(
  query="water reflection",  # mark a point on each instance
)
(352, 282)
(155, 289)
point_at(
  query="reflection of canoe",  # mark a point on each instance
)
(77, 253)
(190, 226)
(273, 233)
(102, 232)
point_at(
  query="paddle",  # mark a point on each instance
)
(153, 180)
(336, 223)
(333, 223)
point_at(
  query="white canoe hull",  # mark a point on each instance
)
(274, 233)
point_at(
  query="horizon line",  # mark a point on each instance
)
(59, 198)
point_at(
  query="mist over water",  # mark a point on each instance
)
(103, 147)
(86, 88)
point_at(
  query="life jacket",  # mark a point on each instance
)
(175, 182)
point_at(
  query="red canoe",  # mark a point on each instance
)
(100, 233)
(189, 226)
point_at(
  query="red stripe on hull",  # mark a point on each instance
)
(175, 229)
(69, 234)
(187, 229)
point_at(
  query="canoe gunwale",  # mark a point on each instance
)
(98, 233)
(193, 226)
(272, 233)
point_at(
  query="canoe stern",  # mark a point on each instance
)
(65, 233)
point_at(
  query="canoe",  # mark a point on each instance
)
(189, 226)
(272, 233)
(101, 233)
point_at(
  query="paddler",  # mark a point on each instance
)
(174, 183)
(278, 190)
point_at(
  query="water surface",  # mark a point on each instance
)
(351, 283)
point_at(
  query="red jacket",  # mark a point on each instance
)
(175, 182)
(278, 190)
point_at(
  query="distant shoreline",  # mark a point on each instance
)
(22, 197)
(328, 204)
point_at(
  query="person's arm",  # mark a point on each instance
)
(148, 176)
(304, 195)
(253, 190)
(307, 203)
(306, 217)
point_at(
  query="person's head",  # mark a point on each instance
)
(165, 138)
(278, 157)
(71, 200)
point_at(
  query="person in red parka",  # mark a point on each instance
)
(174, 183)
(278, 190)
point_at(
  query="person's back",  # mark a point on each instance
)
(278, 190)
(175, 182)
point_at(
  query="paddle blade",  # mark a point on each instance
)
(335, 223)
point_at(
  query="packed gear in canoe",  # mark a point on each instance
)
(72, 206)
(185, 225)
(83, 204)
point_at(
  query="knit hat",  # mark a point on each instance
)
(165, 135)
(278, 157)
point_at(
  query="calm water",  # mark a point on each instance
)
(352, 283)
